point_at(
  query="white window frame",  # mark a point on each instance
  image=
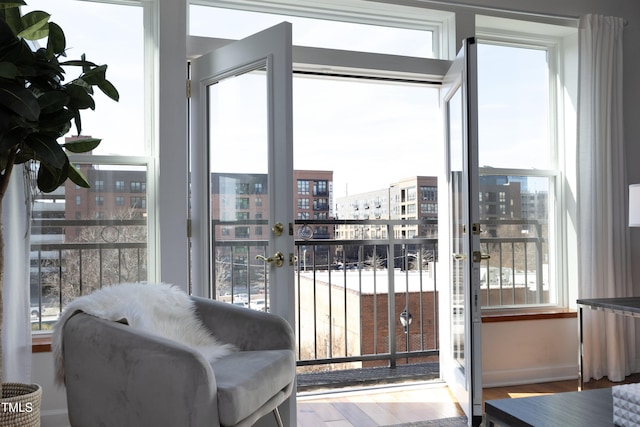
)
(518, 33)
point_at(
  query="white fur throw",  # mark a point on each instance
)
(159, 309)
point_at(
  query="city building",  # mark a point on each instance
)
(414, 199)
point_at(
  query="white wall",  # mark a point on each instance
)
(529, 351)
(53, 409)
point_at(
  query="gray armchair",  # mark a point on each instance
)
(117, 376)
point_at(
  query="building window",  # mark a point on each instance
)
(138, 187)
(119, 186)
(242, 232)
(138, 203)
(303, 186)
(99, 200)
(242, 188)
(320, 188)
(411, 194)
(428, 192)
(98, 185)
(303, 203)
(242, 203)
(119, 201)
(320, 204)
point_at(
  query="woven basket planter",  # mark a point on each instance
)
(20, 405)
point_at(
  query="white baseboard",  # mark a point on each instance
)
(529, 376)
(54, 418)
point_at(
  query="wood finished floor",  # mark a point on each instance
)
(372, 407)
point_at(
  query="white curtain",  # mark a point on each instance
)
(16, 326)
(603, 238)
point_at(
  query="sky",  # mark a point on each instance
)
(369, 133)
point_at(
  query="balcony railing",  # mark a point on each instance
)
(70, 258)
(352, 294)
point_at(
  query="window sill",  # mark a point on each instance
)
(506, 316)
(41, 343)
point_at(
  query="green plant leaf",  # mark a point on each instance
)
(110, 90)
(52, 101)
(8, 4)
(56, 123)
(19, 100)
(78, 121)
(8, 70)
(83, 145)
(13, 19)
(57, 43)
(47, 150)
(11, 138)
(77, 176)
(50, 178)
(7, 36)
(80, 99)
(78, 63)
(35, 25)
(95, 75)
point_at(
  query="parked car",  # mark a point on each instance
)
(259, 305)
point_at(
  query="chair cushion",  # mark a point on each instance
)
(246, 380)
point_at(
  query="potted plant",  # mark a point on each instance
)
(37, 107)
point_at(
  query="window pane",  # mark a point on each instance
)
(513, 107)
(514, 212)
(235, 25)
(113, 35)
(84, 239)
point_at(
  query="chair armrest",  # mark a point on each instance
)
(117, 375)
(245, 328)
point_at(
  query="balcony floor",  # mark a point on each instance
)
(412, 404)
(368, 376)
(405, 404)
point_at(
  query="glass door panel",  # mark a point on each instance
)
(242, 177)
(461, 359)
(239, 164)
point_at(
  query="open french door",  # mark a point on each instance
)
(460, 349)
(242, 177)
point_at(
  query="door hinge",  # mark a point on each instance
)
(189, 228)
(188, 88)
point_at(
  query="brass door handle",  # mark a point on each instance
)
(479, 256)
(277, 259)
(459, 257)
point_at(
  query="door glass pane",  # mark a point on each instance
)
(458, 227)
(238, 143)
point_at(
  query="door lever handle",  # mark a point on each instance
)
(277, 259)
(479, 256)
